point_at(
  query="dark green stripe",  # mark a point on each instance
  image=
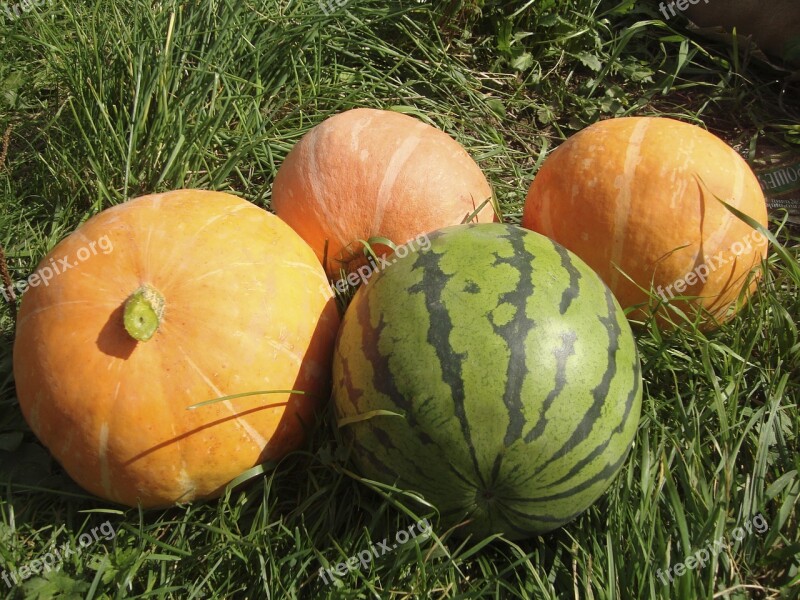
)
(599, 393)
(494, 476)
(440, 327)
(463, 477)
(571, 292)
(617, 430)
(385, 440)
(562, 355)
(383, 381)
(353, 394)
(636, 367)
(550, 519)
(516, 331)
(368, 454)
(607, 473)
(472, 287)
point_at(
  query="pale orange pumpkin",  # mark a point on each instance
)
(637, 199)
(174, 299)
(368, 173)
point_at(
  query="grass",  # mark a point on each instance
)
(103, 101)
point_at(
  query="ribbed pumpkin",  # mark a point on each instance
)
(368, 173)
(200, 295)
(639, 196)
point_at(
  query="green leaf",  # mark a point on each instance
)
(497, 107)
(9, 89)
(523, 62)
(243, 395)
(368, 415)
(590, 60)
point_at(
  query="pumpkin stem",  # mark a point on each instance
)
(144, 309)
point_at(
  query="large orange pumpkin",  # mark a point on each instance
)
(368, 173)
(171, 300)
(637, 199)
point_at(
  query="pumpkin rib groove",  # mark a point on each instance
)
(257, 439)
(105, 470)
(625, 195)
(394, 168)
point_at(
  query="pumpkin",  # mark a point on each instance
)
(367, 174)
(638, 199)
(171, 300)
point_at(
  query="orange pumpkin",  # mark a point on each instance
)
(637, 199)
(368, 173)
(171, 300)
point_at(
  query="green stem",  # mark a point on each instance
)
(144, 309)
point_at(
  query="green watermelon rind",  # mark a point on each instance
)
(452, 339)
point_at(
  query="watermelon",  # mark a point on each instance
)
(492, 372)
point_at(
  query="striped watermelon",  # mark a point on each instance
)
(495, 374)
